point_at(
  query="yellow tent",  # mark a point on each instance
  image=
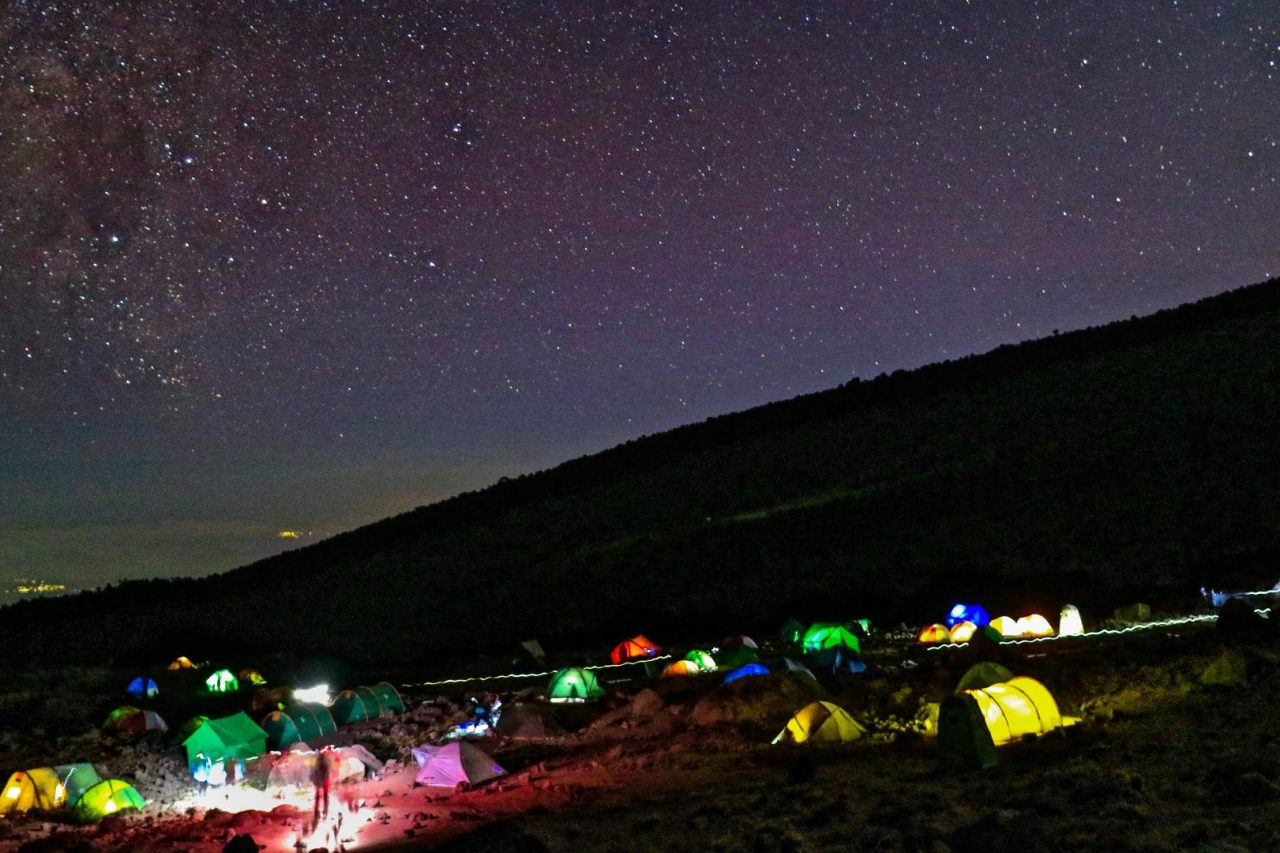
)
(1069, 622)
(936, 633)
(181, 662)
(820, 722)
(1035, 625)
(681, 667)
(1006, 626)
(1017, 707)
(962, 632)
(33, 789)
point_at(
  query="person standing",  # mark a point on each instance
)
(322, 778)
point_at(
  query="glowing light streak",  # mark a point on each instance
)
(1107, 632)
(546, 674)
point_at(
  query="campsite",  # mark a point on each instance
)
(1142, 731)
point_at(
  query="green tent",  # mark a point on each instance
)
(825, 635)
(313, 722)
(574, 685)
(983, 674)
(190, 726)
(372, 705)
(281, 731)
(76, 779)
(236, 736)
(704, 661)
(222, 681)
(737, 656)
(350, 707)
(106, 798)
(388, 697)
(963, 736)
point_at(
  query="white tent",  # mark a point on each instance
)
(454, 764)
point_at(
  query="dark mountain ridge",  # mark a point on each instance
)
(1084, 465)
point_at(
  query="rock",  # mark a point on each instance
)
(646, 703)
(241, 843)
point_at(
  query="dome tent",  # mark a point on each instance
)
(745, 671)
(982, 675)
(40, 788)
(454, 765)
(574, 685)
(134, 721)
(820, 722)
(142, 687)
(824, 635)
(638, 647)
(681, 668)
(975, 613)
(180, 662)
(703, 660)
(106, 798)
(77, 778)
(222, 681)
(935, 633)
(962, 632)
(1069, 622)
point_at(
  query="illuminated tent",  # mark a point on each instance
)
(936, 633)
(982, 675)
(351, 707)
(1035, 625)
(76, 779)
(701, 659)
(637, 648)
(454, 765)
(281, 730)
(252, 676)
(189, 727)
(180, 662)
(1006, 626)
(106, 798)
(313, 721)
(388, 697)
(824, 635)
(133, 721)
(236, 736)
(1069, 622)
(371, 703)
(681, 667)
(839, 659)
(1015, 708)
(962, 632)
(975, 613)
(574, 685)
(820, 722)
(222, 681)
(142, 687)
(40, 788)
(528, 720)
(745, 671)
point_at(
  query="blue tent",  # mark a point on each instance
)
(839, 659)
(142, 686)
(975, 613)
(745, 671)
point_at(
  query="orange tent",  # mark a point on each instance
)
(937, 633)
(681, 667)
(637, 648)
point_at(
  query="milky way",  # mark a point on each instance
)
(272, 265)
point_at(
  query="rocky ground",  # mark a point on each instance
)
(1176, 749)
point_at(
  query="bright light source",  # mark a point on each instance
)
(319, 694)
(13, 792)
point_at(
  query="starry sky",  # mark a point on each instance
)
(276, 266)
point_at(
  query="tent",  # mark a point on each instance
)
(963, 737)
(574, 685)
(745, 671)
(637, 648)
(236, 736)
(1006, 626)
(528, 720)
(40, 789)
(982, 675)
(350, 706)
(935, 633)
(787, 665)
(142, 687)
(1015, 708)
(313, 721)
(388, 697)
(839, 659)
(106, 798)
(222, 681)
(962, 632)
(133, 721)
(702, 659)
(189, 727)
(738, 641)
(824, 635)
(820, 722)
(454, 765)
(1035, 625)
(281, 730)
(533, 649)
(76, 779)
(252, 676)
(1069, 622)
(975, 613)
(180, 662)
(371, 703)
(681, 667)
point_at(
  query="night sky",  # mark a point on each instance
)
(301, 265)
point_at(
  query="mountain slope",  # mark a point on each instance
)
(1139, 453)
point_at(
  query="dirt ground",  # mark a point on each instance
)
(1176, 749)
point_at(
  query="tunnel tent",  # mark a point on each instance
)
(702, 659)
(454, 765)
(282, 732)
(388, 697)
(372, 705)
(638, 647)
(975, 613)
(236, 736)
(105, 799)
(40, 789)
(312, 720)
(681, 668)
(745, 671)
(222, 681)
(1016, 708)
(76, 779)
(350, 707)
(142, 687)
(574, 684)
(935, 633)
(180, 662)
(983, 674)
(824, 635)
(820, 722)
